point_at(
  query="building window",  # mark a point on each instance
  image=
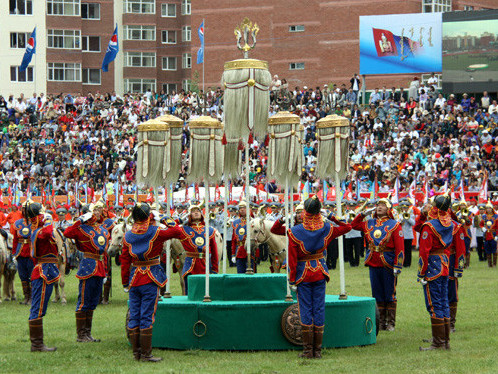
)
(296, 66)
(140, 85)
(64, 72)
(168, 10)
(186, 7)
(63, 7)
(140, 6)
(168, 37)
(140, 59)
(91, 76)
(139, 32)
(18, 39)
(186, 34)
(169, 63)
(65, 39)
(296, 28)
(90, 11)
(186, 85)
(434, 6)
(21, 7)
(468, 7)
(90, 43)
(187, 61)
(21, 76)
(169, 87)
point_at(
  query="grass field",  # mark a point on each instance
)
(474, 345)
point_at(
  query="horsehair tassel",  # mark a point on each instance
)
(145, 159)
(240, 147)
(267, 140)
(224, 140)
(251, 139)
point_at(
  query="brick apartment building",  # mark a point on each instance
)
(307, 42)
(72, 37)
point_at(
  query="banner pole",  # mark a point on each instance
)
(207, 298)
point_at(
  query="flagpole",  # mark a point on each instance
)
(204, 63)
(167, 292)
(342, 279)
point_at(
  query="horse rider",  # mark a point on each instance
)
(45, 273)
(92, 239)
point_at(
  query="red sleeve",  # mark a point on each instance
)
(358, 223)
(421, 219)
(46, 232)
(278, 228)
(213, 249)
(293, 249)
(174, 232)
(399, 247)
(424, 249)
(73, 232)
(15, 238)
(341, 230)
(125, 264)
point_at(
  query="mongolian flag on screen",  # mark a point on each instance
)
(389, 44)
(112, 50)
(30, 51)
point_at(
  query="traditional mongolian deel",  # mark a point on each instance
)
(21, 249)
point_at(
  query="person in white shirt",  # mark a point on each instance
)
(432, 81)
(440, 102)
(493, 108)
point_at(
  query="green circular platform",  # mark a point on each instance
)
(246, 313)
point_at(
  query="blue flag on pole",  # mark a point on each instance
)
(30, 51)
(112, 50)
(200, 52)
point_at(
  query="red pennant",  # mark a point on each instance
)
(224, 140)
(240, 146)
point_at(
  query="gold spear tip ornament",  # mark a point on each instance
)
(242, 34)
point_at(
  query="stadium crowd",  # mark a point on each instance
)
(54, 142)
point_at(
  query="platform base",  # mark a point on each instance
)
(256, 325)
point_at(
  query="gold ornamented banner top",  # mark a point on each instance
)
(243, 33)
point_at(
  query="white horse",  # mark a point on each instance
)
(8, 269)
(260, 233)
(177, 252)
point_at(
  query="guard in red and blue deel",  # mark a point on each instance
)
(308, 272)
(384, 256)
(489, 224)
(91, 239)
(21, 250)
(436, 236)
(239, 251)
(45, 273)
(143, 275)
(107, 223)
(193, 239)
(456, 264)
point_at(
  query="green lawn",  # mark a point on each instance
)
(474, 345)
